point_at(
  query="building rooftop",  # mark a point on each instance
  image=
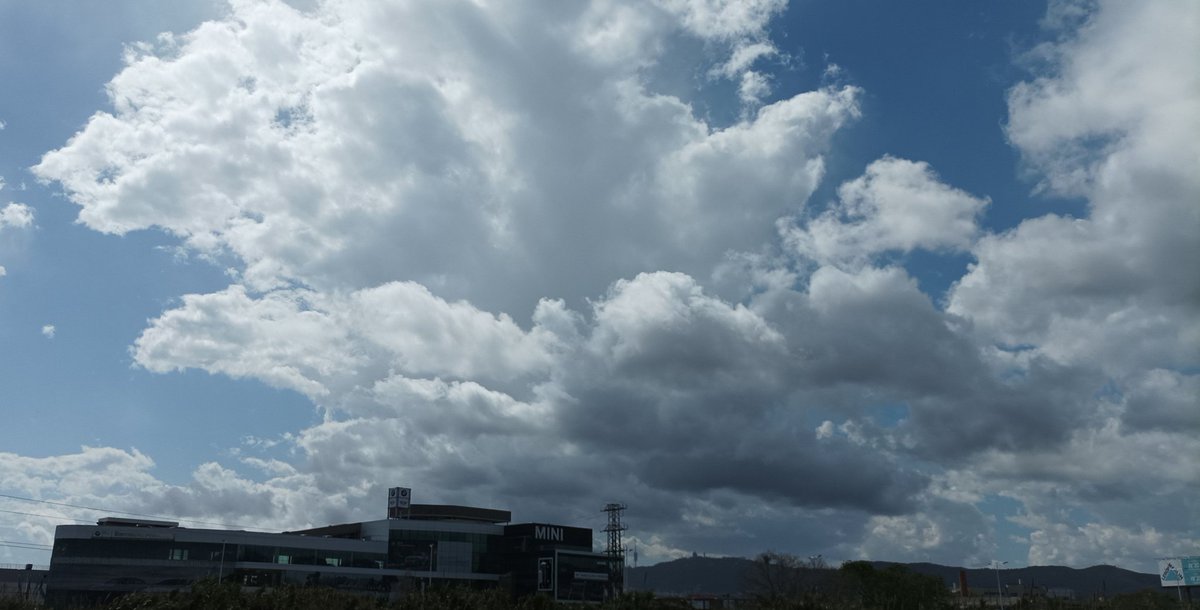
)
(452, 512)
(127, 522)
(418, 512)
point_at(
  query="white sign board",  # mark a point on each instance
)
(399, 497)
(1179, 571)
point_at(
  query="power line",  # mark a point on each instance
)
(121, 512)
(25, 548)
(58, 517)
(22, 542)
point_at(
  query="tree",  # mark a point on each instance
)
(775, 576)
(783, 580)
(892, 588)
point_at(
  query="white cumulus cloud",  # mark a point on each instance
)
(16, 215)
(896, 205)
(1108, 122)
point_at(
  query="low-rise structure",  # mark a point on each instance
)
(23, 582)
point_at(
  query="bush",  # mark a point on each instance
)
(213, 595)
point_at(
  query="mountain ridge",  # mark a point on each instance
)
(727, 576)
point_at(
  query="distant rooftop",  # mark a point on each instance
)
(418, 512)
(452, 512)
(126, 522)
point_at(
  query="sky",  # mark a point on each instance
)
(865, 279)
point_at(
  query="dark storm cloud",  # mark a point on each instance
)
(876, 329)
(810, 476)
(1164, 400)
(1036, 409)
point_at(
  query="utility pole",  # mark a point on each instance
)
(999, 591)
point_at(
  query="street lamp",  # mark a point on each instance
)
(815, 562)
(429, 578)
(999, 592)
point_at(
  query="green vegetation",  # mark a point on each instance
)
(893, 588)
(211, 595)
(778, 581)
(783, 582)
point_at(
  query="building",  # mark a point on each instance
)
(23, 582)
(423, 545)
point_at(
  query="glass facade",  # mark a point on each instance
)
(420, 549)
(380, 558)
(216, 552)
(379, 585)
(96, 565)
(309, 557)
(581, 577)
(167, 550)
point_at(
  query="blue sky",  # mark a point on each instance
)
(865, 279)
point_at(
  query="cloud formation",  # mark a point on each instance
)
(458, 167)
(896, 205)
(15, 216)
(1107, 292)
(509, 270)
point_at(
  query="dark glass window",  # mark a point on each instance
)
(304, 557)
(368, 560)
(333, 558)
(252, 552)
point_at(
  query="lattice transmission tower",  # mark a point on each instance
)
(616, 548)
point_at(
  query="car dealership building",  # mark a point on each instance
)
(418, 546)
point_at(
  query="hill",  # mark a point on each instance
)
(1086, 582)
(727, 576)
(716, 575)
